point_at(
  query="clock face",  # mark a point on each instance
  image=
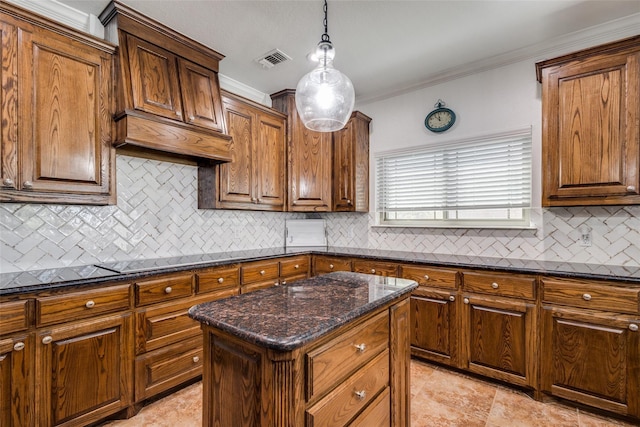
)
(440, 120)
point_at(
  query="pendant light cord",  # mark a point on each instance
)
(325, 36)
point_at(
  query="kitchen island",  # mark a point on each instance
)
(326, 351)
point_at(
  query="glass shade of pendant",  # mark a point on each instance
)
(325, 96)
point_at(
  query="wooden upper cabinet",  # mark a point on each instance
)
(168, 90)
(591, 126)
(351, 165)
(310, 160)
(255, 177)
(56, 113)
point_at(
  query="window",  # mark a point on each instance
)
(479, 182)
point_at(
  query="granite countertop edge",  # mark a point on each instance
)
(49, 279)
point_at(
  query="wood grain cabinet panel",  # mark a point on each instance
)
(591, 295)
(17, 406)
(163, 289)
(591, 126)
(56, 113)
(379, 268)
(328, 264)
(201, 96)
(84, 370)
(217, 278)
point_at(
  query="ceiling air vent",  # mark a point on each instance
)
(272, 58)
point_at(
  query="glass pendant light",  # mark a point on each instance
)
(325, 96)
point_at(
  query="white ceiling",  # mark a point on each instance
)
(385, 47)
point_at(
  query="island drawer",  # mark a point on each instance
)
(591, 294)
(218, 278)
(14, 316)
(342, 404)
(503, 284)
(375, 267)
(294, 268)
(377, 413)
(82, 304)
(431, 277)
(164, 289)
(260, 271)
(333, 361)
(326, 264)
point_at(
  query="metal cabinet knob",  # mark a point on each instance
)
(373, 271)
(28, 185)
(7, 182)
(192, 118)
(196, 359)
(360, 394)
(466, 300)
(331, 266)
(348, 201)
(47, 340)
(254, 200)
(296, 266)
(284, 282)
(586, 297)
(631, 188)
(262, 272)
(426, 277)
(220, 279)
(179, 113)
(633, 327)
(90, 304)
(361, 347)
(494, 285)
(168, 290)
(20, 345)
(452, 298)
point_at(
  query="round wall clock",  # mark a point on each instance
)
(440, 119)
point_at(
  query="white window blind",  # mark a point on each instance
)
(481, 173)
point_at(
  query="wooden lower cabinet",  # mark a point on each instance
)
(328, 264)
(84, 370)
(379, 268)
(16, 380)
(591, 357)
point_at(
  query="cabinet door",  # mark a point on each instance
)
(310, 169)
(499, 339)
(201, 96)
(269, 155)
(9, 106)
(434, 329)
(65, 103)
(592, 358)
(154, 79)
(236, 178)
(84, 370)
(16, 381)
(591, 110)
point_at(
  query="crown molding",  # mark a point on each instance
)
(610, 31)
(239, 88)
(64, 14)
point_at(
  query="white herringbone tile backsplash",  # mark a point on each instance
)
(157, 216)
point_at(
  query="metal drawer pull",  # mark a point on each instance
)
(7, 182)
(168, 290)
(494, 285)
(331, 266)
(196, 359)
(452, 298)
(631, 188)
(586, 297)
(220, 280)
(633, 327)
(466, 300)
(426, 277)
(20, 345)
(296, 266)
(361, 347)
(373, 271)
(28, 185)
(47, 340)
(284, 282)
(90, 304)
(262, 272)
(361, 394)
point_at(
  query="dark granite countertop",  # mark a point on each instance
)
(287, 317)
(38, 280)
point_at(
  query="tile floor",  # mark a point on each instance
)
(440, 398)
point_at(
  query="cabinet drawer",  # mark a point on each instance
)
(166, 324)
(167, 367)
(164, 289)
(81, 304)
(330, 363)
(219, 278)
(431, 277)
(294, 267)
(377, 413)
(508, 285)
(594, 295)
(350, 397)
(14, 317)
(260, 272)
(324, 264)
(375, 267)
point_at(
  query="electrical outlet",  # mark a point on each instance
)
(585, 238)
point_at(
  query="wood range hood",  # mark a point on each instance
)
(168, 99)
